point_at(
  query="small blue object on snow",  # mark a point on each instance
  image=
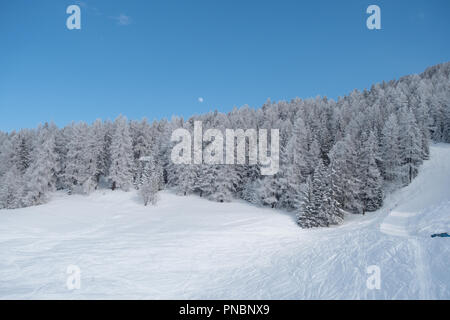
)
(442, 235)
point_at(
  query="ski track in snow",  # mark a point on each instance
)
(191, 248)
(395, 224)
(424, 192)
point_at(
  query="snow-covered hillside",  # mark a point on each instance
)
(188, 247)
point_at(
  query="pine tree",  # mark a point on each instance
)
(120, 172)
(268, 191)
(318, 208)
(338, 172)
(186, 179)
(223, 185)
(22, 151)
(97, 151)
(390, 152)
(7, 154)
(11, 185)
(371, 192)
(333, 206)
(149, 180)
(81, 163)
(410, 142)
(305, 153)
(345, 163)
(250, 191)
(295, 166)
(41, 176)
(306, 218)
(143, 145)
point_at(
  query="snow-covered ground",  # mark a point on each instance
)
(188, 247)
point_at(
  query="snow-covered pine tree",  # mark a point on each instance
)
(22, 144)
(294, 165)
(313, 155)
(410, 144)
(318, 208)
(424, 121)
(306, 216)
(250, 191)
(223, 183)
(329, 208)
(121, 170)
(390, 152)
(80, 164)
(333, 206)
(321, 192)
(269, 191)
(347, 184)
(11, 181)
(305, 152)
(7, 155)
(371, 192)
(337, 169)
(11, 189)
(40, 178)
(143, 144)
(186, 179)
(149, 180)
(204, 184)
(97, 150)
(108, 128)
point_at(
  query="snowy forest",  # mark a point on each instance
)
(336, 157)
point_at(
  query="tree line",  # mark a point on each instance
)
(336, 157)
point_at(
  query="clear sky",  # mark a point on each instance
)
(156, 58)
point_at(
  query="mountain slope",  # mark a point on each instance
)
(422, 209)
(188, 247)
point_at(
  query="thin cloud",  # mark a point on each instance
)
(122, 19)
(200, 99)
(88, 8)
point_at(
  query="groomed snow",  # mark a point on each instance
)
(188, 247)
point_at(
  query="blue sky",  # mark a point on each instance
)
(156, 58)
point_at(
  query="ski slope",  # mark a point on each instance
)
(188, 247)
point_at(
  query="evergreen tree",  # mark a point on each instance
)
(11, 190)
(371, 191)
(121, 169)
(22, 151)
(149, 180)
(186, 179)
(40, 178)
(307, 216)
(410, 143)
(318, 208)
(390, 152)
(347, 184)
(80, 166)
(223, 185)
(269, 191)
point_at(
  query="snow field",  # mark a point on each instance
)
(189, 247)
